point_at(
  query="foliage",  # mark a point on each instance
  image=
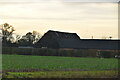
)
(29, 39)
(17, 38)
(37, 36)
(7, 31)
(58, 52)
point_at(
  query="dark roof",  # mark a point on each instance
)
(69, 43)
(64, 35)
(67, 40)
(99, 44)
(62, 39)
(72, 40)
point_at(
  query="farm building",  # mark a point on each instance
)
(65, 40)
(56, 39)
(99, 44)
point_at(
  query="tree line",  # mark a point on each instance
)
(7, 35)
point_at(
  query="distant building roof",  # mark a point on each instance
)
(64, 35)
(57, 39)
(99, 44)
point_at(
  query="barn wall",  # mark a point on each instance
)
(47, 41)
(99, 44)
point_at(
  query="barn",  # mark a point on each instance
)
(64, 40)
(99, 44)
(57, 39)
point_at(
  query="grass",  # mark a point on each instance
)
(49, 63)
(63, 74)
(21, 66)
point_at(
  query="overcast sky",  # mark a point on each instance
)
(86, 19)
(60, 0)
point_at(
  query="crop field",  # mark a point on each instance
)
(21, 66)
(47, 63)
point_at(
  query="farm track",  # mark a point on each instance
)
(62, 74)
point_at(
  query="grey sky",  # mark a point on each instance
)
(61, 0)
(85, 19)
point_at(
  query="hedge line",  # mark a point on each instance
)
(57, 52)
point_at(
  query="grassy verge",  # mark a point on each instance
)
(62, 74)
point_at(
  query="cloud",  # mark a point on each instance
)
(29, 1)
(59, 0)
(91, 0)
(82, 18)
(59, 11)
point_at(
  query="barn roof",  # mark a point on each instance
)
(72, 40)
(66, 39)
(62, 39)
(99, 44)
(64, 35)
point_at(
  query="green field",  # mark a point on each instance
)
(47, 63)
(21, 66)
(63, 74)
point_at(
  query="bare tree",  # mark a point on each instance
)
(27, 40)
(37, 36)
(7, 31)
(17, 38)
